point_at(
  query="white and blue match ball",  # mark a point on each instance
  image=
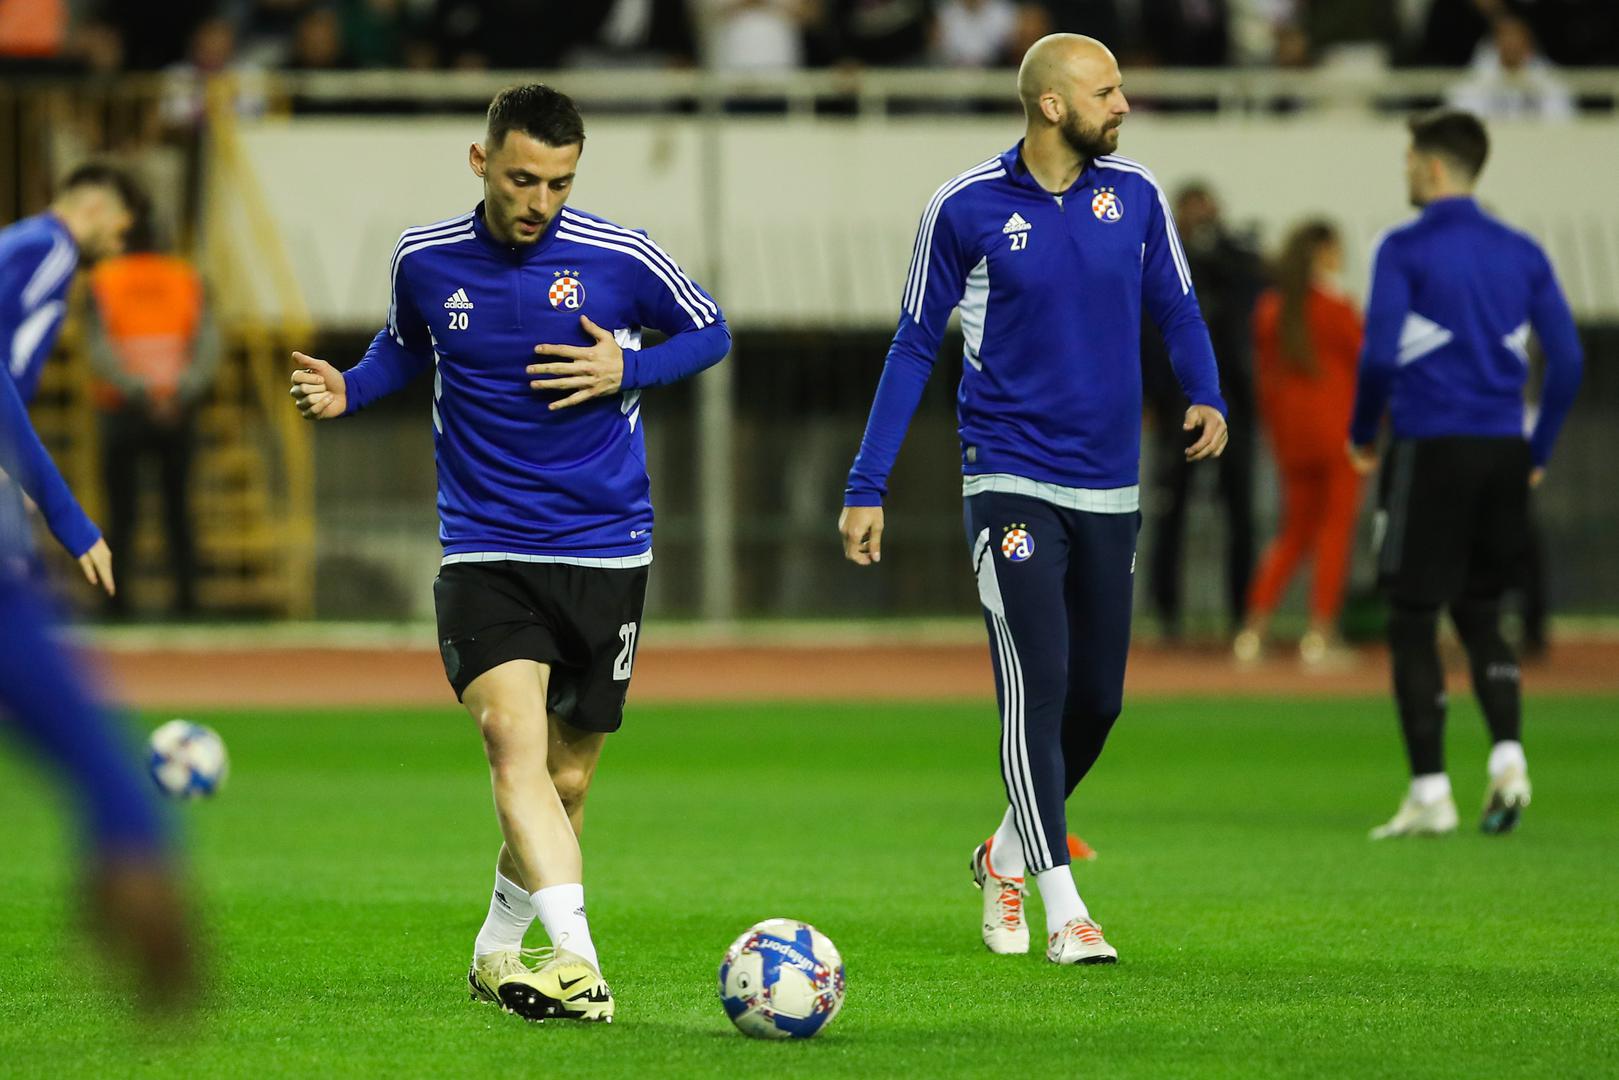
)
(187, 760)
(783, 979)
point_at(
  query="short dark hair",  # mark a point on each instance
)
(1458, 137)
(105, 175)
(538, 111)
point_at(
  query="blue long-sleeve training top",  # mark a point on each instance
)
(25, 465)
(1051, 290)
(37, 259)
(1454, 294)
(515, 479)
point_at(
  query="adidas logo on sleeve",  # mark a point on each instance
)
(459, 301)
(1015, 224)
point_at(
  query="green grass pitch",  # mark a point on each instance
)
(347, 867)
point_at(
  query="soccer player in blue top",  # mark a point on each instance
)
(543, 498)
(88, 220)
(1050, 251)
(1454, 296)
(132, 886)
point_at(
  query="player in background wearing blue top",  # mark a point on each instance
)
(132, 888)
(544, 501)
(93, 210)
(1050, 251)
(88, 220)
(1453, 298)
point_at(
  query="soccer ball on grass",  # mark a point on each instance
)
(782, 979)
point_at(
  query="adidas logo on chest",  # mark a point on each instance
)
(459, 301)
(1015, 224)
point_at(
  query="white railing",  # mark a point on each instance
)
(875, 90)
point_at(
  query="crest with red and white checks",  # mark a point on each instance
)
(567, 291)
(1106, 205)
(1017, 544)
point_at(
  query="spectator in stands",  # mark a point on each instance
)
(1228, 275)
(155, 350)
(1293, 51)
(879, 32)
(317, 42)
(756, 35)
(212, 52)
(1510, 80)
(1307, 345)
(975, 34)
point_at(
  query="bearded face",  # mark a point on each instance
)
(1087, 139)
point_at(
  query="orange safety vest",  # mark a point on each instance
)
(151, 308)
(32, 28)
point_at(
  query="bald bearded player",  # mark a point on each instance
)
(1050, 251)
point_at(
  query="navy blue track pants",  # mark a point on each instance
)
(1056, 588)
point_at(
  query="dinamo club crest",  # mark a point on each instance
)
(1106, 205)
(567, 291)
(1018, 543)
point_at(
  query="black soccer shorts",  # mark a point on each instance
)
(1453, 518)
(584, 621)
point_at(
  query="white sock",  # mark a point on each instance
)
(1006, 849)
(1507, 754)
(1430, 788)
(1060, 898)
(562, 910)
(510, 914)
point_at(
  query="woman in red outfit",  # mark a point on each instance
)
(1307, 344)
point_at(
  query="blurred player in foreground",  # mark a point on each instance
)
(1050, 250)
(133, 891)
(1454, 295)
(544, 501)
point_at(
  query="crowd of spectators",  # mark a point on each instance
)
(1511, 43)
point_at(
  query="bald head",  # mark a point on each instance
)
(1061, 64)
(1070, 87)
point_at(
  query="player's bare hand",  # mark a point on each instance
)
(590, 371)
(1537, 476)
(1215, 433)
(318, 388)
(1363, 459)
(862, 530)
(97, 566)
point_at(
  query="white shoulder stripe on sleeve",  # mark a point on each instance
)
(399, 258)
(1182, 268)
(410, 236)
(566, 232)
(939, 194)
(31, 332)
(57, 265)
(617, 232)
(916, 283)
